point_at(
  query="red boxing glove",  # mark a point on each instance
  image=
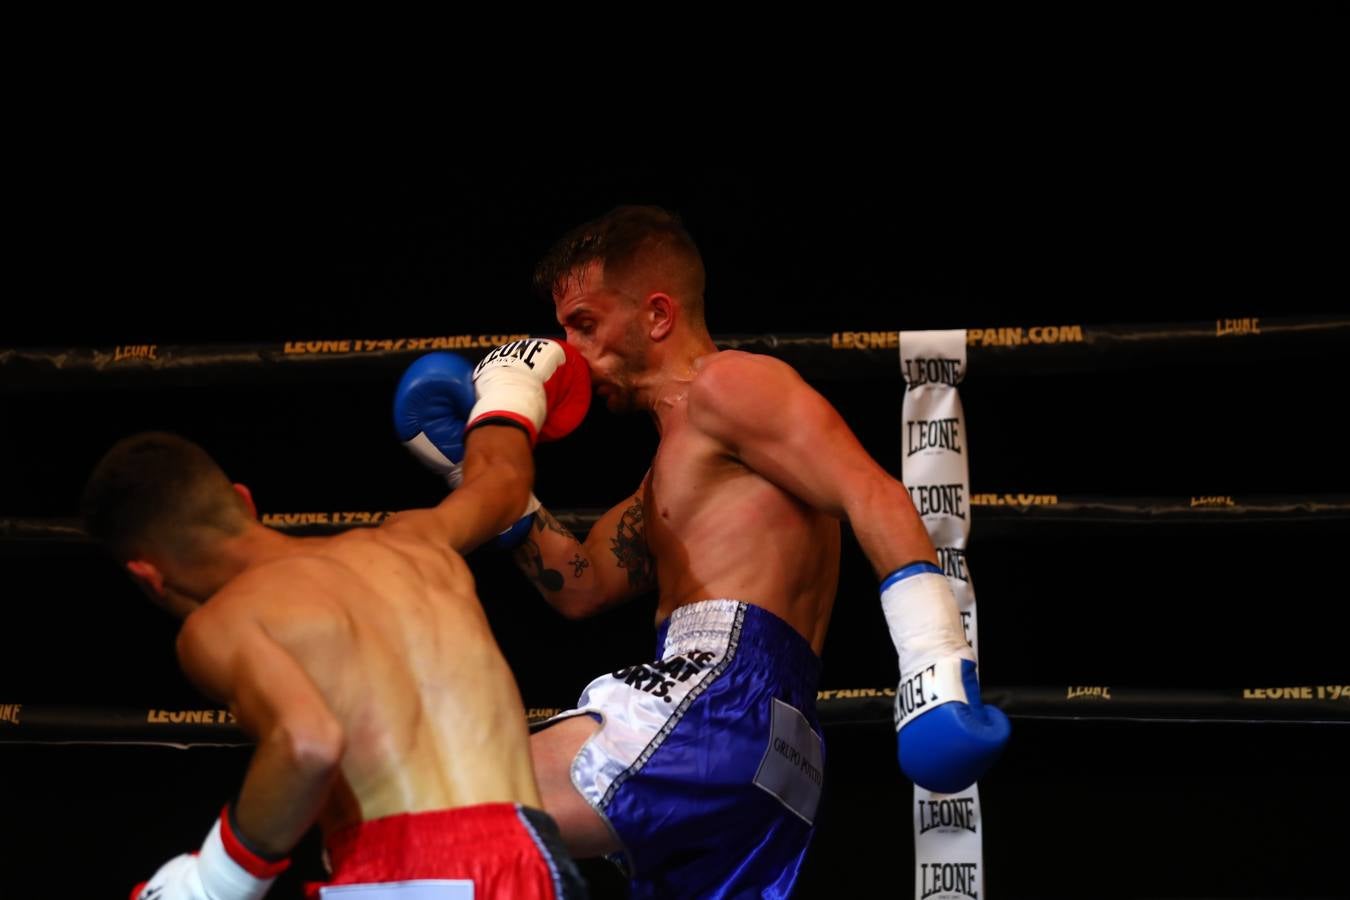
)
(540, 385)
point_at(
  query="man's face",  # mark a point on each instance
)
(605, 325)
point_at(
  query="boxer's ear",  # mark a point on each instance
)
(148, 575)
(247, 496)
(660, 311)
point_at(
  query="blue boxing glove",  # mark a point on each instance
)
(431, 405)
(946, 738)
(431, 410)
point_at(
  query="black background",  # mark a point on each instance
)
(1219, 203)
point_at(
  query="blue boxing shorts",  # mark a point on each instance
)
(709, 763)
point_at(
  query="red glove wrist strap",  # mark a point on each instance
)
(250, 860)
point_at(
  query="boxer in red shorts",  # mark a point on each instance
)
(362, 663)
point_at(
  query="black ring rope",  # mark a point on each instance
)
(841, 355)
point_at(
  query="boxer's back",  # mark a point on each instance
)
(388, 627)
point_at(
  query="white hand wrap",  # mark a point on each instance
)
(924, 621)
(222, 877)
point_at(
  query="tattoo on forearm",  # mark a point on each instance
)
(531, 561)
(629, 546)
(543, 519)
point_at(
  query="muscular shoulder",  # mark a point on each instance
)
(734, 392)
(734, 365)
(732, 376)
(276, 591)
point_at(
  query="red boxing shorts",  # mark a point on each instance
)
(494, 851)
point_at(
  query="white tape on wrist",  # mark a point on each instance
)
(924, 622)
(222, 877)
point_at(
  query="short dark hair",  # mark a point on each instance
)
(622, 237)
(157, 490)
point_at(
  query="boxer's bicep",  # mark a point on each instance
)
(619, 543)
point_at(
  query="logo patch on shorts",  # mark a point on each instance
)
(792, 767)
(421, 889)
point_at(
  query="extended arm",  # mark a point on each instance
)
(477, 426)
(497, 472)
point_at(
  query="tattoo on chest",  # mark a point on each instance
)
(629, 546)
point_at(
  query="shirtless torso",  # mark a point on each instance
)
(363, 666)
(717, 528)
(387, 628)
(735, 504)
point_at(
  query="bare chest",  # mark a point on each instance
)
(717, 528)
(685, 470)
(699, 495)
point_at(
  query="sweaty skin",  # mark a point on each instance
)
(753, 473)
(718, 528)
(364, 664)
(390, 634)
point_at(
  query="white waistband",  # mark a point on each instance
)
(702, 625)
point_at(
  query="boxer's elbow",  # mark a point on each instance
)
(579, 603)
(311, 747)
(574, 612)
(579, 599)
(571, 604)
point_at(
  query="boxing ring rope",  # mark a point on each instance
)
(996, 513)
(838, 356)
(1321, 704)
(1304, 704)
(842, 355)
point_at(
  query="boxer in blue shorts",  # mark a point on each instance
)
(702, 769)
(734, 674)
